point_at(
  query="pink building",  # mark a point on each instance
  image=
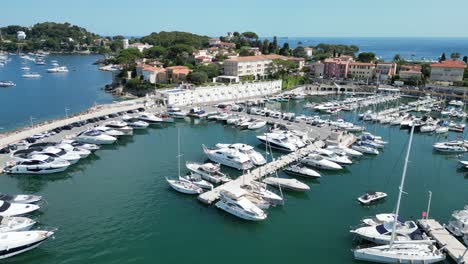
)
(335, 68)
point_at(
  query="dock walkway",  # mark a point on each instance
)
(454, 248)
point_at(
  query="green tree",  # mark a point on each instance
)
(212, 70)
(299, 52)
(285, 51)
(197, 77)
(442, 57)
(366, 57)
(250, 35)
(128, 57)
(397, 58)
(465, 59)
(155, 52)
(169, 39)
(245, 52)
(455, 55)
(273, 47)
(266, 45)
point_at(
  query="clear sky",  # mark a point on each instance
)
(293, 18)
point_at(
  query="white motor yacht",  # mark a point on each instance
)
(20, 198)
(345, 150)
(15, 224)
(135, 123)
(16, 209)
(428, 128)
(149, 118)
(31, 75)
(82, 152)
(341, 159)
(278, 141)
(74, 143)
(109, 131)
(37, 164)
(208, 171)
(14, 243)
(381, 234)
(289, 184)
(240, 206)
(302, 171)
(449, 148)
(365, 149)
(458, 224)
(259, 188)
(317, 161)
(119, 126)
(371, 197)
(229, 157)
(55, 152)
(256, 158)
(95, 137)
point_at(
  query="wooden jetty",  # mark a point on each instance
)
(454, 248)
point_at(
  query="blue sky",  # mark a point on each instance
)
(314, 18)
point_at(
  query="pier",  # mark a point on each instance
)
(454, 248)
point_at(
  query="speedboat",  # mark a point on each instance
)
(197, 180)
(278, 141)
(290, 184)
(256, 158)
(229, 157)
(119, 126)
(208, 171)
(428, 128)
(184, 186)
(256, 124)
(16, 209)
(37, 164)
(240, 206)
(58, 69)
(176, 113)
(317, 161)
(20, 198)
(365, 149)
(31, 75)
(15, 224)
(344, 150)
(341, 159)
(300, 170)
(95, 137)
(149, 118)
(82, 152)
(371, 197)
(7, 84)
(14, 243)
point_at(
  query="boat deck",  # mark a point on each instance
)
(454, 248)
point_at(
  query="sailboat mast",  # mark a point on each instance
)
(178, 150)
(402, 184)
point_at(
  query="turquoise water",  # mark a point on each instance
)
(47, 97)
(116, 207)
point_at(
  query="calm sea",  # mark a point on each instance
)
(386, 48)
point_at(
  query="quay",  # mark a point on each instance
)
(454, 248)
(413, 108)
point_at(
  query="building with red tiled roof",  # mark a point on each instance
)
(448, 71)
(258, 66)
(361, 70)
(178, 74)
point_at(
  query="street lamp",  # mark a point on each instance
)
(31, 120)
(66, 112)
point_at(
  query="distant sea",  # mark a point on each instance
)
(386, 48)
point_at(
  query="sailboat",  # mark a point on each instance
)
(182, 185)
(423, 252)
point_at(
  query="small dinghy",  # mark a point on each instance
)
(15, 224)
(371, 197)
(15, 209)
(301, 170)
(184, 186)
(20, 198)
(290, 184)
